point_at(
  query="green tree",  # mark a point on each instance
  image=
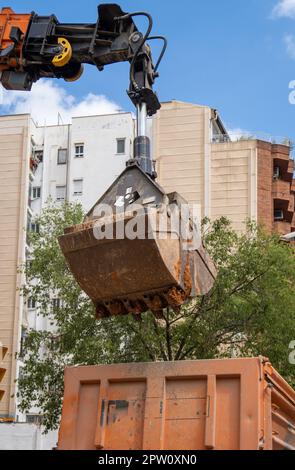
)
(250, 311)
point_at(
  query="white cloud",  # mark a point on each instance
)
(289, 40)
(47, 100)
(284, 8)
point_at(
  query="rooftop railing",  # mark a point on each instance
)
(236, 137)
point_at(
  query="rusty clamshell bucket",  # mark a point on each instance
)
(130, 256)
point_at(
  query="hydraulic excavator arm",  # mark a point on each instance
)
(120, 274)
(33, 46)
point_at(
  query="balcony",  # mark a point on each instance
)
(220, 139)
(35, 159)
(284, 206)
(283, 162)
(282, 227)
(281, 191)
(33, 164)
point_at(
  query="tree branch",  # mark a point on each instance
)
(168, 337)
(156, 329)
(218, 338)
(187, 329)
(141, 338)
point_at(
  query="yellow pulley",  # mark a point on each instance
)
(65, 56)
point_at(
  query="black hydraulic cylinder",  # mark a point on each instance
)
(142, 155)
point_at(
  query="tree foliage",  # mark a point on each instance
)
(249, 312)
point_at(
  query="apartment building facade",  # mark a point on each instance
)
(80, 161)
(242, 179)
(15, 173)
(74, 162)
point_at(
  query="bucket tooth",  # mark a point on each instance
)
(135, 307)
(116, 308)
(156, 303)
(102, 312)
(176, 297)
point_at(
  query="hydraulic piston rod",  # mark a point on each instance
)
(141, 120)
(142, 146)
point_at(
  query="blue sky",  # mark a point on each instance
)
(230, 54)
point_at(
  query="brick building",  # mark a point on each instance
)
(276, 193)
(245, 178)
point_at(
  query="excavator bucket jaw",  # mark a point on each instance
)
(132, 255)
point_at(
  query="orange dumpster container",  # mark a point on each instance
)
(235, 404)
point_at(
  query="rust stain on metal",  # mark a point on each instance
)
(115, 277)
(177, 269)
(156, 303)
(80, 227)
(176, 297)
(188, 282)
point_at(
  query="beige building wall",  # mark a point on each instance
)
(220, 177)
(234, 181)
(14, 180)
(181, 148)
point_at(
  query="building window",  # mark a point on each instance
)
(79, 150)
(78, 187)
(29, 221)
(34, 162)
(36, 192)
(61, 193)
(121, 146)
(30, 195)
(35, 228)
(62, 156)
(20, 373)
(22, 342)
(34, 419)
(31, 304)
(276, 173)
(278, 215)
(57, 304)
(38, 154)
(29, 264)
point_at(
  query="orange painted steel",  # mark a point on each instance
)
(8, 19)
(235, 404)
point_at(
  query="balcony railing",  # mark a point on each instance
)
(220, 139)
(240, 136)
